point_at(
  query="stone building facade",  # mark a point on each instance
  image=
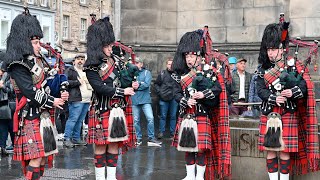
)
(236, 26)
(44, 10)
(72, 21)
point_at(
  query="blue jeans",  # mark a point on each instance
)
(147, 110)
(77, 113)
(172, 107)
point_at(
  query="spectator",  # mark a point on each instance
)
(142, 100)
(232, 63)
(164, 89)
(240, 87)
(253, 96)
(79, 100)
(5, 118)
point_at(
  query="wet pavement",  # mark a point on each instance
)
(141, 163)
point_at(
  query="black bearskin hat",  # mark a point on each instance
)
(272, 36)
(24, 28)
(100, 34)
(189, 42)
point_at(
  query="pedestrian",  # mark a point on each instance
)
(111, 127)
(80, 92)
(288, 126)
(34, 142)
(142, 101)
(202, 130)
(164, 88)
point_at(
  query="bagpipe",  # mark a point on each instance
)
(56, 80)
(212, 64)
(128, 71)
(289, 78)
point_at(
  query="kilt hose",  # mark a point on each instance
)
(204, 131)
(289, 130)
(98, 132)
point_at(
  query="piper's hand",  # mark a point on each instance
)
(249, 108)
(280, 100)
(1, 84)
(129, 91)
(191, 102)
(135, 85)
(65, 96)
(58, 102)
(198, 95)
(286, 93)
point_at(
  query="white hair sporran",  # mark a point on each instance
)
(48, 133)
(188, 135)
(117, 129)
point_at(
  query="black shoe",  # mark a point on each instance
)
(67, 143)
(3, 152)
(79, 142)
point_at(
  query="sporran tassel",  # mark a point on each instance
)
(273, 138)
(47, 132)
(117, 125)
(188, 135)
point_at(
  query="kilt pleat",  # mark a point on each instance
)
(29, 144)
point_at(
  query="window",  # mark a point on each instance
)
(44, 3)
(46, 34)
(17, 0)
(4, 32)
(65, 27)
(83, 29)
(30, 1)
(82, 1)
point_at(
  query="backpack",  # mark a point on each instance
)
(166, 89)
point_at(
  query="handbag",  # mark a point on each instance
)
(5, 112)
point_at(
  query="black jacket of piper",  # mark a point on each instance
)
(268, 94)
(211, 96)
(21, 73)
(74, 85)
(104, 90)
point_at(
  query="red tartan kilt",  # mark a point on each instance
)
(29, 144)
(204, 132)
(102, 138)
(289, 131)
